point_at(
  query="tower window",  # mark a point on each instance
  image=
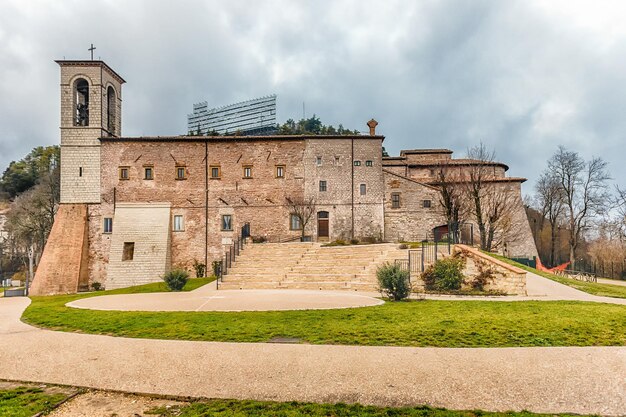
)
(180, 173)
(215, 172)
(111, 110)
(108, 225)
(426, 203)
(124, 175)
(363, 189)
(81, 102)
(318, 161)
(280, 171)
(129, 251)
(148, 173)
(294, 222)
(247, 171)
(323, 186)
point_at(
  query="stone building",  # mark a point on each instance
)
(134, 207)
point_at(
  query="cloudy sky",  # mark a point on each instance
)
(521, 76)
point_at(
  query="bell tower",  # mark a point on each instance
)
(91, 108)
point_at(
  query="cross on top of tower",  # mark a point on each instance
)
(91, 50)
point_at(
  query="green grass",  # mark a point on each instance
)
(233, 408)
(605, 290)
(413, 323)
(26, 401)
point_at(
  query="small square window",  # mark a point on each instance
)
(318, 161)
(369, 163)
(227, 222)
(426, 203)
(129, 251)
(148, 173)
(216, 172)
(337, 160)
(395, 200)
(323, 186)
(179, 224)
(280, 171)
(294, 222)
(124, 173)
(357, 163)
(181, 173)
(247, 171)
(363, 189)
(108, 225)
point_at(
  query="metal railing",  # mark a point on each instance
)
(230, 256)
(423, 256)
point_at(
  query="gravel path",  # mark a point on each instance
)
(550, 380)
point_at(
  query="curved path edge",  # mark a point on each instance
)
(550, 380)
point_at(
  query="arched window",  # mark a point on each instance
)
(81, 102)
(111, 110)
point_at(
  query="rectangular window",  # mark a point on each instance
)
(322, 185)
(148, 173)
(318, 161)
(426, 203)
(180, 173)
(337, 160)
(294, 222)
(216, 172)
(357, 163)
(280, 171)
(395, 200)
(227, 222)
(247, 171)
(179, 225)
(124, 173)
(369, 163)
(129, 251)
(363, 189)
(108, 225)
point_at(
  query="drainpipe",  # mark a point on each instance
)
(206, 205)
(352, 169)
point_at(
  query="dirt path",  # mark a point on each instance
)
(552, 380)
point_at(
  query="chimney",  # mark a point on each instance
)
(372, 125)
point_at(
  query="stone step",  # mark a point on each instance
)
(326, 286)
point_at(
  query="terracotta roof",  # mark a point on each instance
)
(232, 138)
(423, 151)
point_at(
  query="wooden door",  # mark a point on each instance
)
(322, 224)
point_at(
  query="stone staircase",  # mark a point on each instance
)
(309, 266)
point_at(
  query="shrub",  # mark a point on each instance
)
(96, 286)
(484, 277)
(444, 275)
(176, 279)
(403, 246)
(393, 281)
(354, 241)
(259, 239)
(200, 269)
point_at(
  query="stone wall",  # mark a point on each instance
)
(147, 227)
(411, 221)
(506, 278)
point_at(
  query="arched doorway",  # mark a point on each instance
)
(322, 224)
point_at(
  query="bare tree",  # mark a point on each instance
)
(620, 203)
(491, 203)
(549, 198)
(584, 187)
(450, 197)
(303, 209)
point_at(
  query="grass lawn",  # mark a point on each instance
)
(232, 408)
(414, 323)
(27, 401)
(605, 290)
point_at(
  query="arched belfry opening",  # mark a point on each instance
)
(81, 102)
(111, 110)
